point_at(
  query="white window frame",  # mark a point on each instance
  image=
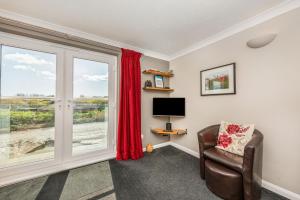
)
(62, 160)
(97, 57)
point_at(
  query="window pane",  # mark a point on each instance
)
(90, 112)
(26, 105)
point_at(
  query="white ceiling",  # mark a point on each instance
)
(162, 26)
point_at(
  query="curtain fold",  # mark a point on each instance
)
(129, 143)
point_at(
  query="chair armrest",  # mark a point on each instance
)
(252, 165)
(208, 138)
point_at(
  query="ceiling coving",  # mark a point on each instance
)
(159, 28)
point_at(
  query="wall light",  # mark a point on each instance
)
(261, 41)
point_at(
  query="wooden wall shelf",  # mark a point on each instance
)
(165, 74)
(158, 89)
(161, 131)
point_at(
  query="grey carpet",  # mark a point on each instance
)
(165, 174)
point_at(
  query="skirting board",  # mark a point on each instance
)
(270, 186)
(279, 190)
(159, 145)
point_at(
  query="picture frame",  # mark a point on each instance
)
(158, 81)
(219, 80)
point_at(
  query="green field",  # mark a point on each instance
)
(30, 113)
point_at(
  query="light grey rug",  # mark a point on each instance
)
(89, 182)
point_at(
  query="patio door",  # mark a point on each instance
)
(31, 105)
(90, 97)
(57, 107)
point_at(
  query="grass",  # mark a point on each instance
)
(30, 113)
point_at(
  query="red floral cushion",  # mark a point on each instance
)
(234, 137)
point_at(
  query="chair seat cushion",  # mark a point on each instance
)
(223, 181)
(230, 160)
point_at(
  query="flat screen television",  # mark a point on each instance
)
(169, 107)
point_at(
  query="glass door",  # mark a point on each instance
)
(29, 108)
(57, 108)
(90, 103)
(90, 106)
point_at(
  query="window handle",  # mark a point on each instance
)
(69, 103)
(59, 103)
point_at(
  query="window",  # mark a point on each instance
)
(90, 112)
(57, 107)
(27, 105)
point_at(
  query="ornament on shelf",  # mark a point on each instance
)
(148, 83)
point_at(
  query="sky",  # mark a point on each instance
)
(31, 72)
(90, 78)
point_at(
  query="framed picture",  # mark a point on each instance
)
(158, 81)
(218, 80)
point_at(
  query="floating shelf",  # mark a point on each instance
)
(158, 89)
(161, 131)
(165, 74)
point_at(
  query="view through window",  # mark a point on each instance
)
(29, 105)
(27, 111)
(90, 110)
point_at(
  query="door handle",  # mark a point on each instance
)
(59, 103)
(69, 103)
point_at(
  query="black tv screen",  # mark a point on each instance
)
(169, 106)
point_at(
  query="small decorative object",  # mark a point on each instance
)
(261, 41)
(159, 81)
(218, 81)
(149, 148)
(148, 83)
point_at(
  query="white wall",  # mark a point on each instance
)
(268, 94)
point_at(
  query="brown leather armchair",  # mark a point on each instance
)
(228, 175)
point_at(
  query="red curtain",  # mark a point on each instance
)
(129, 144)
